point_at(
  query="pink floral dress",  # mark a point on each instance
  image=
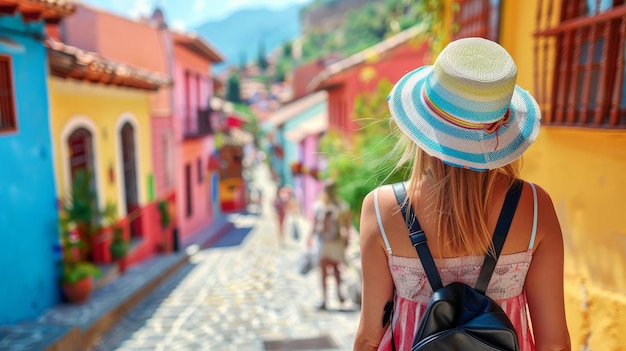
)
(413, 290)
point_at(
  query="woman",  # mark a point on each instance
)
(467, 124)
(285, 204)
(331, 226)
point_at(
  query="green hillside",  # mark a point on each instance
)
(240, 36)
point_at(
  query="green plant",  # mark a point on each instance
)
(77, 271)
(166, 217)
(370, 158)
(80, 207)
(119, 249)
(73, 268)
(120, 245)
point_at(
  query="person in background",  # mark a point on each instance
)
(331, 228)
(466, 124)
(285, 204)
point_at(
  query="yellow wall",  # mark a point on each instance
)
(584, 170)
(102, 110)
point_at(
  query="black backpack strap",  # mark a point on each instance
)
(499, 235)
(418, 238)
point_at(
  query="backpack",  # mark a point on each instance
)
(327, 222)
(459, 317)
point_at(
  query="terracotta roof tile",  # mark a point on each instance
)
(49, 10)
(71, 62)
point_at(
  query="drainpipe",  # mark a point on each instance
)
(165, 37)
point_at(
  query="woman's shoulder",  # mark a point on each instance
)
(381, 196)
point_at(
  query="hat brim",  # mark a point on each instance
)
(458, 146)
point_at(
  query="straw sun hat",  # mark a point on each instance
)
(466, 109)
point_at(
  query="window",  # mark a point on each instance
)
(198, 91)
(7, 106)
(199, 163)
(187, 92)
(580, 70)
(477, 18)
(81, 152)
(188, 196)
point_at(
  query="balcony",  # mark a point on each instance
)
(199, 125)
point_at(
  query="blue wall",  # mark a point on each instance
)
(28, 214)
(292, 148)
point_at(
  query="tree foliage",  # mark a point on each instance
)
(262, 59)
(370, 24)
(370, 159)
(233, 92)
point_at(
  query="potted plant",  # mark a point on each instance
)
(119, 245)
(77, 275)
(80, 207)
(166, 220)
(77, 280)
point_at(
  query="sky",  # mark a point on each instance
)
(187, 14)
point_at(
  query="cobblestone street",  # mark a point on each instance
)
(243, 293)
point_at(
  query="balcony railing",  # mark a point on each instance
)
(198, 125)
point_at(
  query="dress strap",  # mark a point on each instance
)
(534, 232)
(380, 222)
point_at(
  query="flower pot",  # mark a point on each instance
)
(118, 249)
(78, 292)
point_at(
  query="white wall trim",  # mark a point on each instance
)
(141, 188)
(76, 122)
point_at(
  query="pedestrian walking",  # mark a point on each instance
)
(468, 123)
(286, 205)
(331, 228)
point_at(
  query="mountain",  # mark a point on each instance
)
(242, 33)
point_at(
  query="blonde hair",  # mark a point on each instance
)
(460, 200)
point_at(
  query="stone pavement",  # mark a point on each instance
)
(243, 293)
(69, 327)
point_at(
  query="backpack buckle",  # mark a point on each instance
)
(418, 238)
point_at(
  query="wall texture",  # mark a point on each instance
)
(102, 110)
(28, 213)
(584, 171)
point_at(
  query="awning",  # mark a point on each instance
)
(295, 108)
(312, 126)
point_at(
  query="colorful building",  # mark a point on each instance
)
(346, 79)
(298, 127)
(100, 123)
(196, 124)
(570, 56)
(233, 147)
(182, 133)
(29, 254)
(146, 46)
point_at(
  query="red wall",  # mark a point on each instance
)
(346, 85)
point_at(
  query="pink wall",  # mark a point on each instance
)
(310, 186)
(163, 157)
(202, 209)
(193, 91)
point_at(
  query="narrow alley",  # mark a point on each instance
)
(244, 292)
